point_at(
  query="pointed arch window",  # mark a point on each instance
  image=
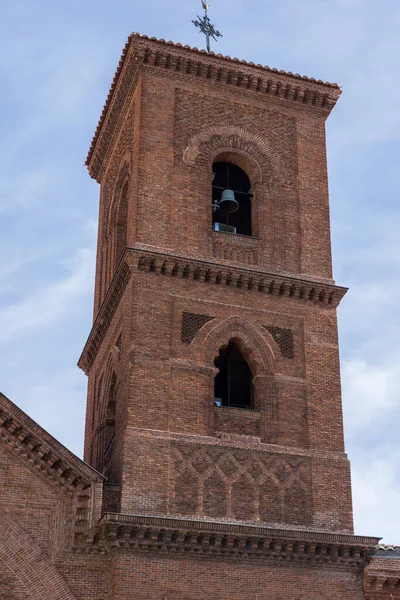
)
(228, 176)
(109, 429)
(233, 384)
(121, 224)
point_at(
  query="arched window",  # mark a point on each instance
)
(121, 224)
(109, 429)
(233, 385)
(228, 176)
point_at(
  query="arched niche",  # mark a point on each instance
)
(258, 349)
(233, 384)
(233, 139)
(121, 224)
(237, 218)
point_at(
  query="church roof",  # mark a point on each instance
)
(387, 551)
(42, 450)
(326, 100)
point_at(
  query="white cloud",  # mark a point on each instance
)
(57, 402)
(376, 492)
(371, 392)
(371, 403)
(51, 303)
(22, 190)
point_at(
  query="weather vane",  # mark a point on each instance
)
(206, 26)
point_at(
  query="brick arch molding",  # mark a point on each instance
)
(22, 556)
(252, 147)
(110, 369)
(256, 345)
(122, 178)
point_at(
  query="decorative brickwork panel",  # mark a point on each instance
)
(284, 338)
(273, 152)
(242, 498)
(187, 489)
(191, 324)
(295, 504)
(228, 484)
(270, 509)
(117, 174)
(215, 496)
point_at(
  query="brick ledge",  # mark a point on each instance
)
(211, 539)
(210, 271)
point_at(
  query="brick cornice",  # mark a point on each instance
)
(60, 467)
(212, 271)
(208, 271)
(382, 576)
(31, 441)
(378, 580)
(210, 539)
(141, 51)
(112, 117)
(104, 317)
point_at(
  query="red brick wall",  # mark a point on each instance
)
(38, 507)
(37, 522)
(175, 578)
(166, 384)
(382, 577)
(290, 205)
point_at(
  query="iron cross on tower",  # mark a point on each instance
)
(206, 26)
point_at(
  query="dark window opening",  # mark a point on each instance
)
(228, 176)
(233, 385)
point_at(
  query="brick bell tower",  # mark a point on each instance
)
(214, 402)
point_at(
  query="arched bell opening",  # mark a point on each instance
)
(231, 199)
(233, 384)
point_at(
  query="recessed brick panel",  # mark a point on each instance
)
(229, 484)
(284, 339)
(191, 324)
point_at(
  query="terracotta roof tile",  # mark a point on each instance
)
(236, 60)
(388, 550)
(108, 99)
(136, 35)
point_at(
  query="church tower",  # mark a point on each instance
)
(214, 402)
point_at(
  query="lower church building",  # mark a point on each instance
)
(214, 463)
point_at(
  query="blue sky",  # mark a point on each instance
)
(57, 60)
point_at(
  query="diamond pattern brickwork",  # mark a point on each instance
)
(224, 483)
(284, 339)
(191, 324)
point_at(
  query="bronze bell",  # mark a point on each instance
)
(228, 202)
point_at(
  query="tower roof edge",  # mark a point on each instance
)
(140, 36)
(327, 93)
